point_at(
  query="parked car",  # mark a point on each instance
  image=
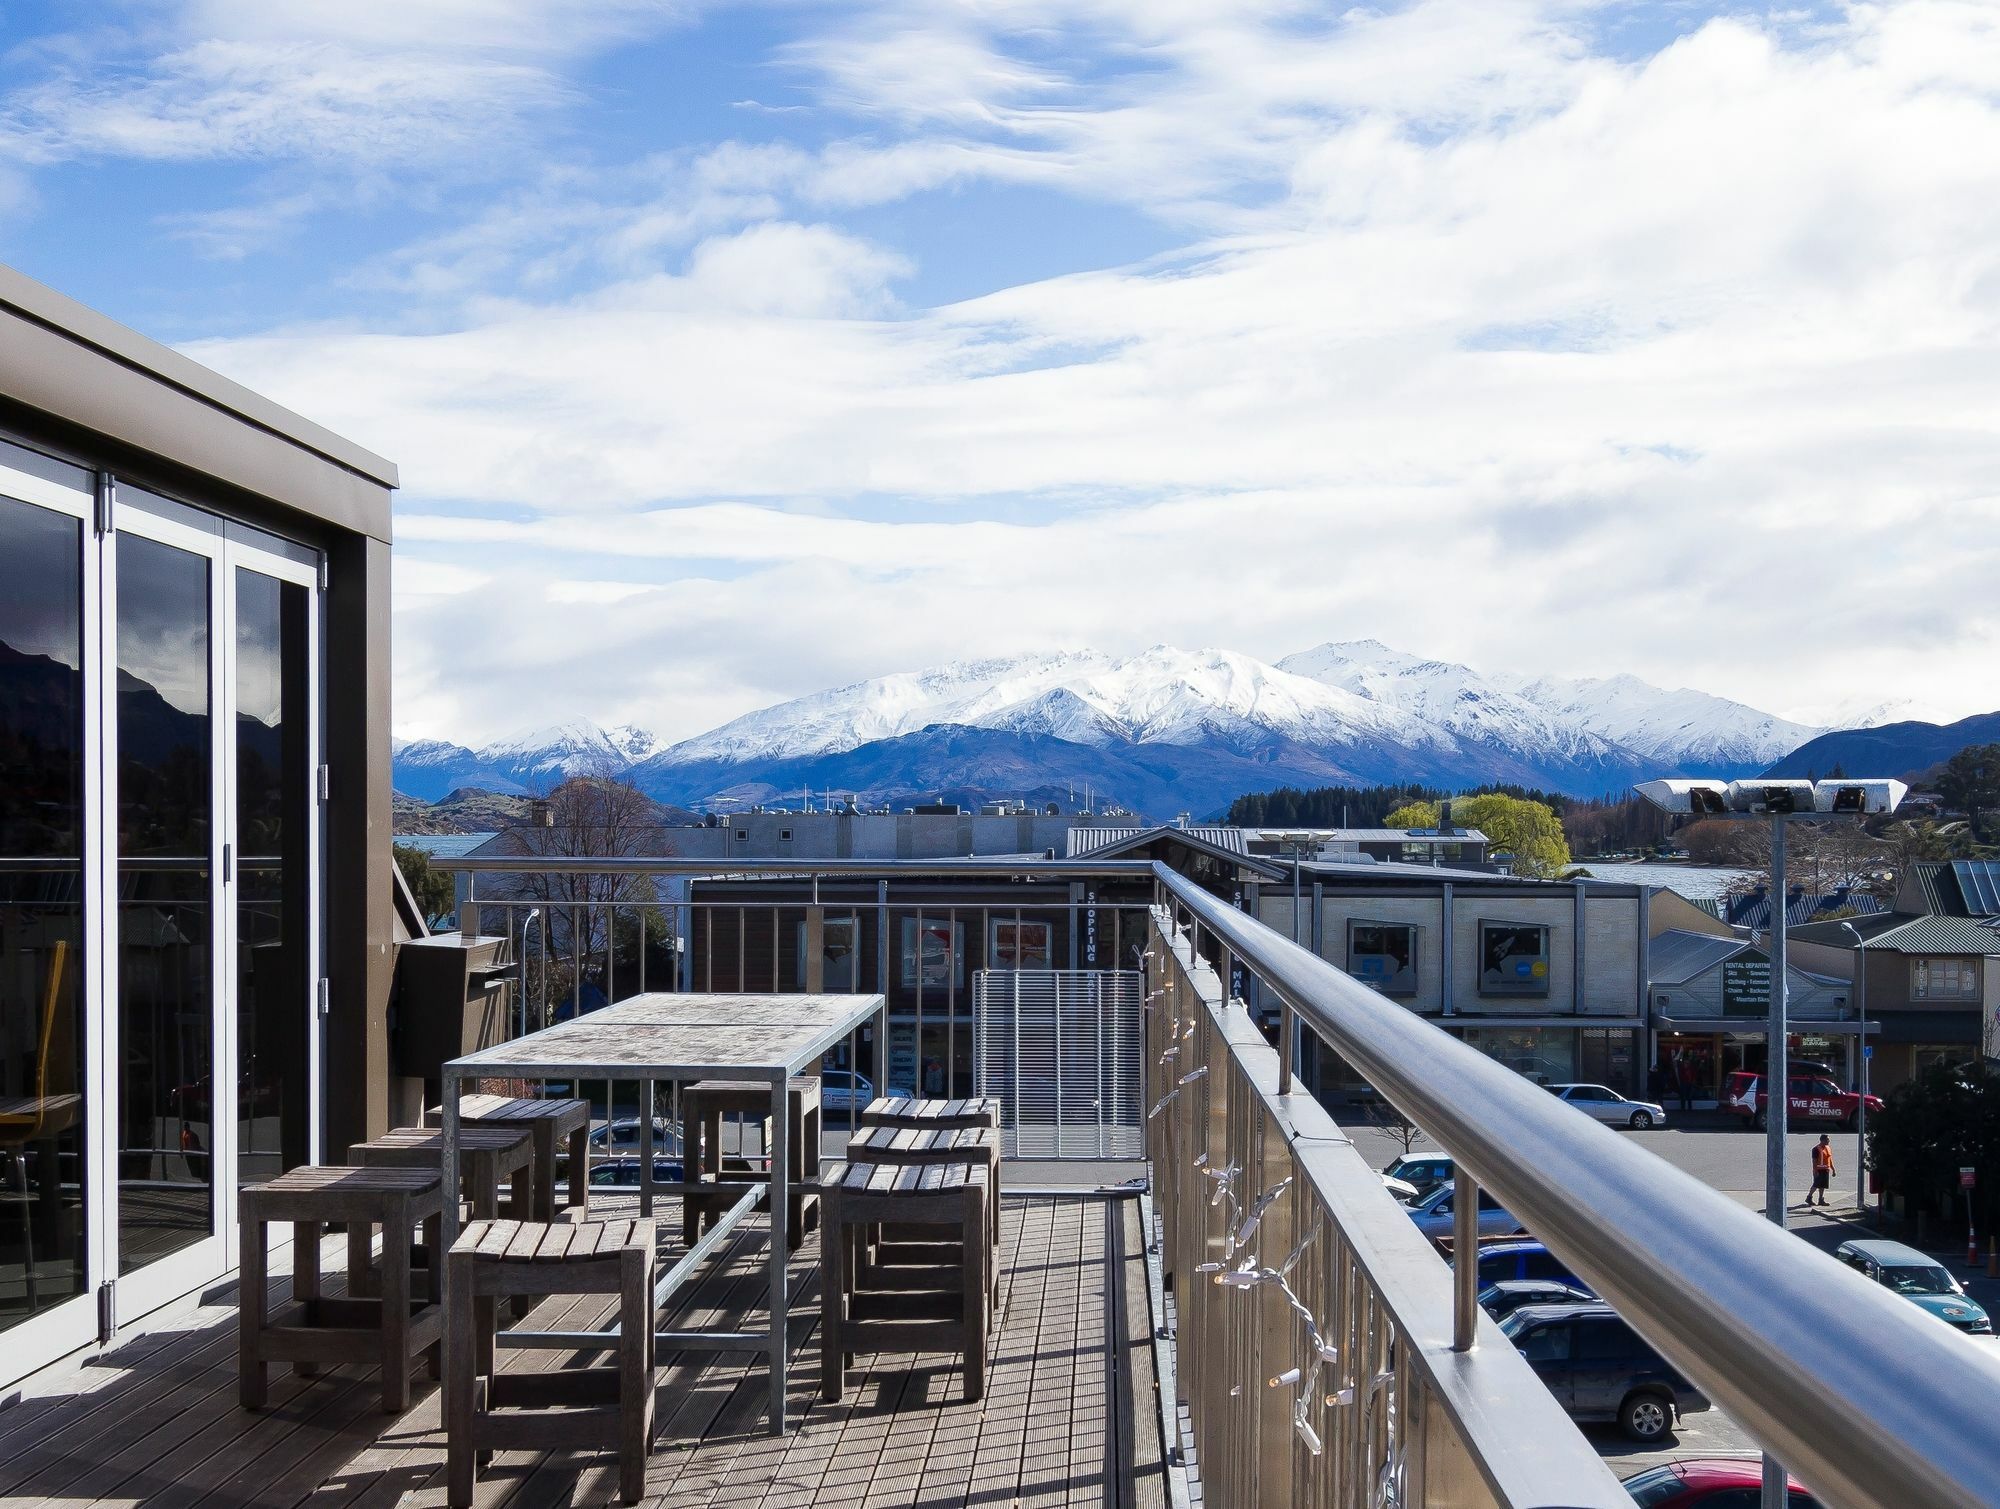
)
(1599, 1368)
(1502, 1299)
(844, 1090)
(625, 1171)
(1414, 1175)
(1608, 1105)
(1526, 1259)
(1711, 1483)
(622, 1136)
(1433, 1214)
(1812, 1098)
(1919, 1278)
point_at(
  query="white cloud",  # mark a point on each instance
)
(1484, 343)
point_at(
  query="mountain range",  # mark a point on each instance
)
(1904, 749)
(1161, 731)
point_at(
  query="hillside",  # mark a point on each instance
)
(1894, 749)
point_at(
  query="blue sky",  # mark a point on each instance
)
(730, 351)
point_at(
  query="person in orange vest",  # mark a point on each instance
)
(1822, 1155)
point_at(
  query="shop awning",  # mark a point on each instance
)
(1753, 1026)
(1961, 1026)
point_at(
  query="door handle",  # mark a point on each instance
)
(228, 863)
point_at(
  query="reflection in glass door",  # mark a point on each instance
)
(167, 1092)
(273, 768)
(44, 1178)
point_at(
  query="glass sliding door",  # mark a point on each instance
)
(159, 898)
(45, 836)
(273, 816)
(171, 1108)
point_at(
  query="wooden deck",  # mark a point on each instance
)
(1069, 1416)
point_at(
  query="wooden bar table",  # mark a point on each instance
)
(678, 1039)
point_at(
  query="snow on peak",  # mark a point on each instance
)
(1160, 695)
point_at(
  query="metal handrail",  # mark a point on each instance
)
(1379, 1290)
(863, 869)
(1865, 1397)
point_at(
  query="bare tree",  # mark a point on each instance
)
(1396, 1124)
(591, 915)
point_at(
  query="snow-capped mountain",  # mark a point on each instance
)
(1682, 727)
(1160, 696)
(429, 768)
(1163, 729)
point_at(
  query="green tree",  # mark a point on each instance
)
(1945, 1119)
(1529, 830)
(1970, 782)
(433, 889)
(1413, 815)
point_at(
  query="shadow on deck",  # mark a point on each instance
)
(1070, 1414)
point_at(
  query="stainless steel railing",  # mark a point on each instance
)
(1868, 1400)
(1313, 1322)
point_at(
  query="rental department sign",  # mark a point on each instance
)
(1746, 987)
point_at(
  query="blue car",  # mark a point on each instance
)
(1501, 1262)
(624, 1172)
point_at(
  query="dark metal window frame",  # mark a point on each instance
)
(1405, 982)
(1491, 983)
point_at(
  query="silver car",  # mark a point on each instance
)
(1434, 1214)
(1609, 1106)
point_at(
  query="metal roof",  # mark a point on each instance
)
(1675, 956)
(1900, 933)
(1092, 843)
(43, 305)
(1371, 835)
(1959, 887)
(1978, 885)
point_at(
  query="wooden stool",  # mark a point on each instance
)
(486, 1156)
(493, 1260)
(550, 1123)
(908, 1111)
(703, 1105)
(951, 1315)
(923, 1147)
(391, 1330)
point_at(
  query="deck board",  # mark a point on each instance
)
(154, 1420)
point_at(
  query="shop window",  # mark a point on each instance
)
(1513, 959)
(1944, 980)
(839, 944)
(1021, 945)
(1383, 955)
(1929, 1055)
(933, 954)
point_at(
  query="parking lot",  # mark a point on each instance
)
(1732, 1161)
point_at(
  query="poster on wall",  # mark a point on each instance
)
(933, 954)
(902, 1058)
(1022, 945)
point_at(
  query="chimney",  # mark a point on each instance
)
(541, 815)
(1444, 815)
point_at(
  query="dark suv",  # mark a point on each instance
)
(1599, 1369)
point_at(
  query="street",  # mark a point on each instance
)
(1730, 1160)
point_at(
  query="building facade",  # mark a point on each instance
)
(194, 812)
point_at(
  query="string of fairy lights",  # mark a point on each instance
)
(1243, 1270)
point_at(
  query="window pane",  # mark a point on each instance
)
(42, 1168)
(1604, 1339)
(1513, 960)
(274, 996)
(1384, 956)
(165, 923)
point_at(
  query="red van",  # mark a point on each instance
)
(1813, 1098)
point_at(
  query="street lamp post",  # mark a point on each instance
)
(1861, 1048)
(1779, 803)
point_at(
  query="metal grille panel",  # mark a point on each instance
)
(1059, 1049)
